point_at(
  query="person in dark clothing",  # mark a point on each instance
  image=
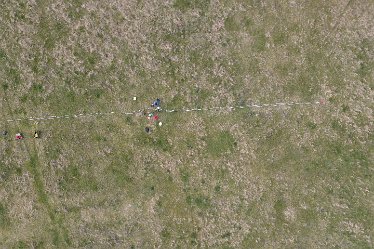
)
(156, 103)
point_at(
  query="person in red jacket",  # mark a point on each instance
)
(19, 136)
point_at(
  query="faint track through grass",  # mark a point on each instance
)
(82, 115)
(58, 232)
(345, 9)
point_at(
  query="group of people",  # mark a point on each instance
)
(153, 116)
(20, 136)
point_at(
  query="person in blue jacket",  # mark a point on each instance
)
(156, 103)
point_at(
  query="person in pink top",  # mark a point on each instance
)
(19, 136)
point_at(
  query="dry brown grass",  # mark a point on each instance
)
(297, 177)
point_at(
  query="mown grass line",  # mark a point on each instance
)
(33, 166)
(59, 232)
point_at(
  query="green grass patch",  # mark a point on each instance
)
(184, 5)
(253, 239)
(155, 140)
(3, 55)
(184, 175)
(303, 86)
(238, 22)
(201, 58)
(90, 59)
(285, 68)
(231, 24)
(75, 10)
(308, 217)
(33, 167)
(6, 172)
(220, 143)
(51, 31)
(200, 201)
(21, 245)
(280, 207)
(259, 43)
(217, 189)
(120, 170)
(37, 88)
(338, 126)
(35, 64)
(74, 181)
(66, 101)
(4, 218)
(5, 86)
(280, 37)
(311, 125)
(20, 13)
(162, 143)
(201, 95)
(366, 65)
(13, 76)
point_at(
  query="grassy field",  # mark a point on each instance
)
(276, 177)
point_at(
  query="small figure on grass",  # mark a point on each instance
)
(153, 117)
(19, 136)
(156, 103)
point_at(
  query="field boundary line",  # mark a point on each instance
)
(196, 109)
